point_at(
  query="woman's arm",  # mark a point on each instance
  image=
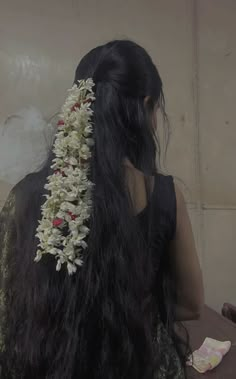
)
(185, 266)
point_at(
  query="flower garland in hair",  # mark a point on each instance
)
(63, 228)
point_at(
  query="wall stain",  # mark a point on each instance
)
(182, 120)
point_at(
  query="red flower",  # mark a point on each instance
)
(57, 222)
(60, 122)
(77, 105)
(73, 217)
(87, 101)
(60, 172)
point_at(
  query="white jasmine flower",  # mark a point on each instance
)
(63, 228)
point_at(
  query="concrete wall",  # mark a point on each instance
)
(193, 44)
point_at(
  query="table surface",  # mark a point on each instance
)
(215, 326)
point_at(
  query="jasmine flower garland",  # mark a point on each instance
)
(63, 229)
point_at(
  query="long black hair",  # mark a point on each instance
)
(97, 323)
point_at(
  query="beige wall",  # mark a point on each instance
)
(193, 44)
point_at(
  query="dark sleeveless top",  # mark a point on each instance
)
(158, 223)
(161, 214)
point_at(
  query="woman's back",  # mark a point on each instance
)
(155, 205)
(90, 276)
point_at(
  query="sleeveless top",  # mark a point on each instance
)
(158, 222)
(159, 216)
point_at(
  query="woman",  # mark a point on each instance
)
(115, 263)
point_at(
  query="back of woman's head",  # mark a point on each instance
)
(125, 76)
(123, 65)
(96, 324)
